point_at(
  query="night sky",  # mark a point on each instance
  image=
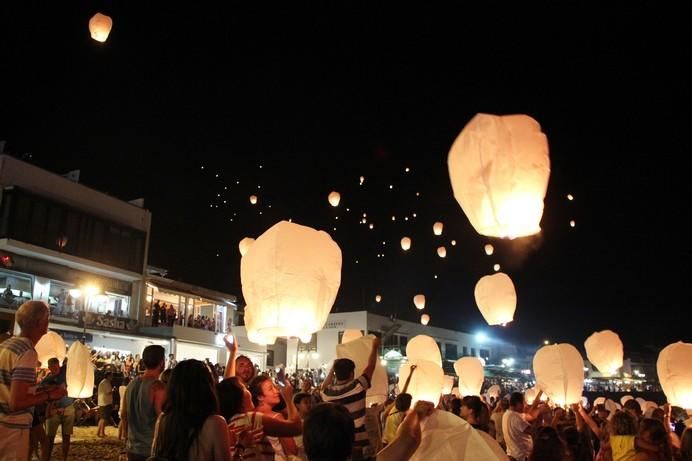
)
(291, 103)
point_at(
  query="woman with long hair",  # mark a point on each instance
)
(190, 427)
(652, 431)
(266, 396)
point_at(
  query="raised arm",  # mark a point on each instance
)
(408, 435)
(590, 422)
(232, 353)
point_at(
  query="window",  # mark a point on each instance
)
(473, 351)
(485, 353)
(465, 351)
(403, 341)
(15, 288)
(450, 351)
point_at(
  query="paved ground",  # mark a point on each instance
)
(85, 446)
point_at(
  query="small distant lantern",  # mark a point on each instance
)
(499, 169)
(50, 345)
(245, 245)
(62, 242)
(80, 372)
(454, 242)
(100, 27)
(496, 298)
(570, 197)
(437, 228)
(306, 339)
(559, 371)
(378, 298)
(253, 199)
(496, 267)
(572, 223)
(470, 373)
(489, 249)
(674, 368)
(604, 350)
(406, 243)
(362, 180)
(494, 391)
(441, 252)
(419, 302)
(334, 198)
(424, 319)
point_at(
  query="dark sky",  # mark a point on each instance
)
(321, 96)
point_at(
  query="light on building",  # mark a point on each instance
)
(481, 337)
(75, 292)
(315, 355)
(91, 290)
(546, 342)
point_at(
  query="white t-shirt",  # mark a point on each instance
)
(105, 393)
(519, 444)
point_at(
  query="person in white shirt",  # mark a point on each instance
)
(516, 429)
(105, 403)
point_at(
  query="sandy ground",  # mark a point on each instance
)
(85, 446)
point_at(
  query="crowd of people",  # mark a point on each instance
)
(187, 410)
(166, 315)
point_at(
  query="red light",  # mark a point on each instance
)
(6, 260)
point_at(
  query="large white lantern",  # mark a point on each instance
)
(496, 298)
(80, 372)
(334, 198)
(405, 243)
(471, 376)
(437, 228)
(426, 382)
(674, 368)
(423, 347)
(245, 245)
(499, 169)
(50, 345)
(489, 249)
(358, 350)
(424, 319)
(100, 27)
(290, 280)
(441, 252)
(419, 302)
(625, 398)
(251, 327)
(351, 334)
(604, 350)
(559, 371)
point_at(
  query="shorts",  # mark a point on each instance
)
(64, 418)
(105, 412)
(14, 444)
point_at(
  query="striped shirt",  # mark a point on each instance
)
(252, 420)
(351, 395)
(17, 364)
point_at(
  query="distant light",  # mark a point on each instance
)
(391, 187)
(481, 337)
(336, 217)
(365, 215)
(217, 175)
(362, 179)
(372, 226)
(570, 197)
(405, 218)
(546, 342)
(393, 218)
(202, 166)
(572, 223)
(454, 242)
(407, 169)
(435, 276)
(417, 194)
(260, 167)
(496, 267)
(259, 187)
(384, 243)
(348, 209)
(414, 215)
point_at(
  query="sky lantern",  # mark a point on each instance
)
(489, 249)
(253, 199)
(470, 373)
(625, 398)
(496, 267)
(496, 298)
(426, 382)
(290, 280)
(378, 298)
(441, 252)
(351, 334)
(447, 384)
(424, 319)
(499, 169)
(454, 242)
(334, 198)
(674, 368)
(423, 347)
(572, 223)
(358, 349)
(100, 27)
(570, 197)
(494, 391)
(50, 345)
(80, 372)
(419, 302)
(306, 338)
(362, 180)
(604, 351)
(559, 371)
(406, 243)
(245, 245)
(437, 228)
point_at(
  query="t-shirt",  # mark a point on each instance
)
(497, 419)
(59, 380)
(622, 447)
(519, 444)
(105, 393)
(391, 424)
(252, 420)
(352, 396)
(17, 363)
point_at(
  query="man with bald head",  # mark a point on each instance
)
(18, 381)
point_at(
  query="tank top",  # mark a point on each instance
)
(141, 416)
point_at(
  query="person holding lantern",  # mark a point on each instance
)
(18, 360)
(61, 413)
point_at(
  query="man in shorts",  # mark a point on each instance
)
(59, 413)
(105, 403)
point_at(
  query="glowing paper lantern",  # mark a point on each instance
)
(641, 402)
(572, 223)
(334, 198)
(442, 252)
(674, 368)
(350, 335)
(305, 339)
(378, 298)
(611, 406)
(290, 280)
(570, 197)
(253, 199)
(625, 398)
(559, 371)
(454, 242)
(599, 401)
(419, 301)
(604, 350)
(489, 249)
(80, 372)
(245, 245)
(499, 168)
(423, 347)
(424, 319)
(362, 180)
(437, 228)
(405, 243)
(100, 27)
(50, 345)
(496, 298)
(447, 385)
(470, 373)
(494, 391)
(426, 382)
(358, 350)
(496, 267)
